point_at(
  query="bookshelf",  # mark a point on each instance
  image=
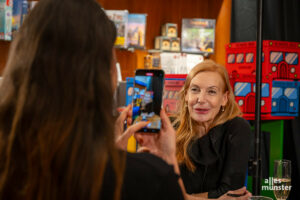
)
(160, 12)
(172, 11)
(4, 48)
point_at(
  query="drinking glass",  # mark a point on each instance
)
(282, 179)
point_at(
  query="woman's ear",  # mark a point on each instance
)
(225, 98)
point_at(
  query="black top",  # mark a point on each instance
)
(146, 177)
(221, 159)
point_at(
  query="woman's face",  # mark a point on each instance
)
(205, 97)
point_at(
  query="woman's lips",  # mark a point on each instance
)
(201, 110)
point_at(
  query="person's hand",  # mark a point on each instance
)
(191, 197)
(162, 144)
(121, 136)
(245, 194)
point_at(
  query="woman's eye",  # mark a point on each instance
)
(212, 92)
(194, 89)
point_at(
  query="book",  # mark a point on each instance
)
(169, 30)
(16, 15)
(136, 30)
(129, 90)
(5, 19)
(19, 11)
(171, 62)
(173, 85)
(179, 63)
(120, 18)
(24, 10)
(198, 35)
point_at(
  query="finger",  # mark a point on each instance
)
(149, 150)
(139, 138)
(125, 113)
(248, 194)
(129, 114)
(238, 191)
(121, 109)
(165, 119)
(143, 138)
(136, 127)
(143, 149)
(129, 120)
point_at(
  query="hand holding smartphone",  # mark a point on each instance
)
(147, 98)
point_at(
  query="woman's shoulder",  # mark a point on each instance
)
(238, 126)
(238, 123)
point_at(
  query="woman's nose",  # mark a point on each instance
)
(201, 97)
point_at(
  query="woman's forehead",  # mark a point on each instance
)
(208, 79)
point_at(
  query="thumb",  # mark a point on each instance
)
(125, 113)
(135, 128)
(143, 150)
(165, 119)
(239, 191)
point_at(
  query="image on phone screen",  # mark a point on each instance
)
(147, 99)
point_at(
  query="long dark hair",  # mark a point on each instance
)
(56, 127)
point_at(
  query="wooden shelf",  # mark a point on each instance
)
(4, 48)
(161, 12)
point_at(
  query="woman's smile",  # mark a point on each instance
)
(202, 111)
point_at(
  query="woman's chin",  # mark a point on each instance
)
(201, 119)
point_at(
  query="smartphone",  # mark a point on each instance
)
(147, 98)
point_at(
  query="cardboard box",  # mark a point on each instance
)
(5, 19)
(169, 30)
(175, 44)
(163, 43)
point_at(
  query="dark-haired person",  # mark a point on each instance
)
(56, 124)
(57, 133)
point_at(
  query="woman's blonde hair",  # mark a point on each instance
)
(186, 126)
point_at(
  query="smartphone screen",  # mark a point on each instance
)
(147, 98)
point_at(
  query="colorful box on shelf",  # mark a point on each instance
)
(280, 77)
(129, 90)
(167, 43)
(152, 59)
(120, 18)
(136, 30)
(280, 59)
(279, 98)
(169, 30)
(173, 85)
(244, 90)
(285, 98)
(163, 43)
(5, 19)
(19, 11)
(175, 44)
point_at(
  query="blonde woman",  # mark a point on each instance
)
(212, 140)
